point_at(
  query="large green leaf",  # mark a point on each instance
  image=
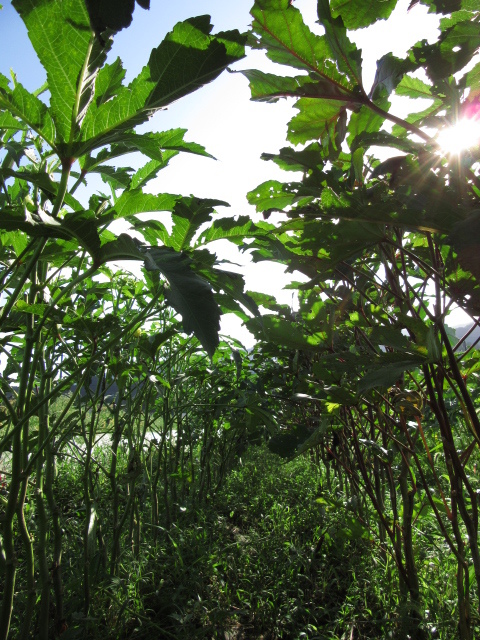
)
(28, 108)
(387, 375)
(288, 159)
(390, 72)
(346, 54)
(231, 286)
(358, 13)
(112, 15)
(235, 231)
(188, 216)
(44, 182)
(317, 119)
(269, 87)
(79, 226)
(272, 195)
(108, 82)
(150, 170)
(289, 40)
(450, 53)
(188, 293)
(135, 201)
(188, 58)
(65, 44)
(465, 238)
(153, 144)
(285, 333)
(414, 88)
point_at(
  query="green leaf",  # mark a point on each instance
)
(28, 108)
(112, 16)
(317, 437)
(288, 40)
(357, 13)
(235, 231)
(61, 35)
(386, 376)
(450, 53)
(390, 73)
(135, 201)
(288, 159)
(284, 333)
(78, 226)
(390, 337)
(346, 54)
(443, 6)
(109, 81)
(465, 239)
(317, 119)
(414, 88)
(9, 122)
(44, 182)
(151, 170)
(269, 87)
(271, 195)
(285, 444)
(363, 122)
(38, 309)
(188, 293)
(232, 285)
(357, 162)
(151, 343)
(154, 144)
(152, 230)
(384, 139)
(188, 58)
(116, 178)
(188, 215)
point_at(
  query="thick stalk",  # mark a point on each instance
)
(90, 516)
(17, 492)
(29, 267)
(464, 628)
(23, 404)
(117, 436)
(42, 520)
(56, 566)
(408, 500)
(8, 538)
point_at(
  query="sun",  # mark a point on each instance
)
(463, 135)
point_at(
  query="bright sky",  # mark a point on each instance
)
(220, 115)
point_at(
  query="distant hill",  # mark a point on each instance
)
(473, 337)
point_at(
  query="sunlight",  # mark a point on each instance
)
(460, 136)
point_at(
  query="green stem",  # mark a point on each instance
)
(62, 187)
(31, 264)
(42, 526)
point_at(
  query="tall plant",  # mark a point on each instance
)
(59, 320)
(387, 247)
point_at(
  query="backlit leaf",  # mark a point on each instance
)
(61, 35)
(188, 58)
(357, 13)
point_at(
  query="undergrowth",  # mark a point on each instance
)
(267, 557)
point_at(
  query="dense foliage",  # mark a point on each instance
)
(132, 501)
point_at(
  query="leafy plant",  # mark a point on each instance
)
(387, 247)
(65, 315)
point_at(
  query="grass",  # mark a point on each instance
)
(270, 556)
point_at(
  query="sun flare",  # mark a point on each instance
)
(461, 136)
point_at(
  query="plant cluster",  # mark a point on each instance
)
(365, 380)
(388, 246)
